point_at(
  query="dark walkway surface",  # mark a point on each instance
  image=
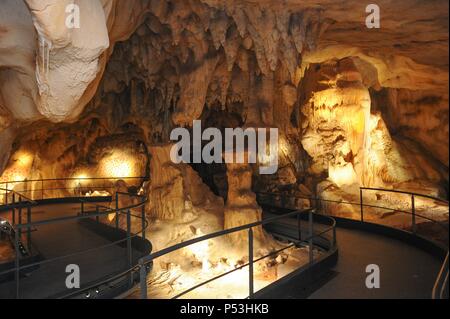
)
(405, 271)
(61, 239)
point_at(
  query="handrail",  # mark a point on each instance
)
(220, 233)
(354, 204)
(47, 261)
(144, 261)
(405, 192)
(5, 189)
(84, 215)
(87, 215)
(73, 179)
(441, 282)
(27, 199)
(442, 278)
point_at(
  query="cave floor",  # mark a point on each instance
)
(61, 239)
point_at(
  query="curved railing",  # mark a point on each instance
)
(362, 205)
(441, 283)
(413, 212)
(40, 189)
(440, 288)
(147, 260)
(20, 202)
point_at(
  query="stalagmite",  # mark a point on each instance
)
(241, 207)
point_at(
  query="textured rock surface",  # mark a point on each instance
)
(354, 106)
(176, 189)
(241, 207)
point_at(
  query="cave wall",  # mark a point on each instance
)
(354, 106)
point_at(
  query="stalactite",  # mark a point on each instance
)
(43, 65)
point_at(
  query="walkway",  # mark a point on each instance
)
(405, 271)
(61, 239)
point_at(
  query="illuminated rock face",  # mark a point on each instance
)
(336, 122)
(354, 106)
(348, 140)
(176, 190)
(241, 207)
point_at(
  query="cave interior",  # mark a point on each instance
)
(354, 106)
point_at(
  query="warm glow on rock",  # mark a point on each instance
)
(24, 159)
(18, 170)
(342, 175)
(117, 165)
(200, 251)
(81, 177)
(79, 180)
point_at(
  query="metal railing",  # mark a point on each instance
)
(440, 288)
(413, 196)
(309, 240)
(144, 263)
(441, 284)
(39, 189)
(21, 201)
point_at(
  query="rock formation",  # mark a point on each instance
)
(354, 106)
(242, 208)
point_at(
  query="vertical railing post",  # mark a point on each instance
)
(13, 209)
(299, 226)
(6, 194)
(315, 198)
(143, 279)
(361, 204)
(319, 205)
(17, 264)
(117, 210)
(143, 221)
(334, 236)
(250, 263)
(29, 227)
(413, 209)
(97, 211)
(311, 234)
(19, 215)
(129, 252)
